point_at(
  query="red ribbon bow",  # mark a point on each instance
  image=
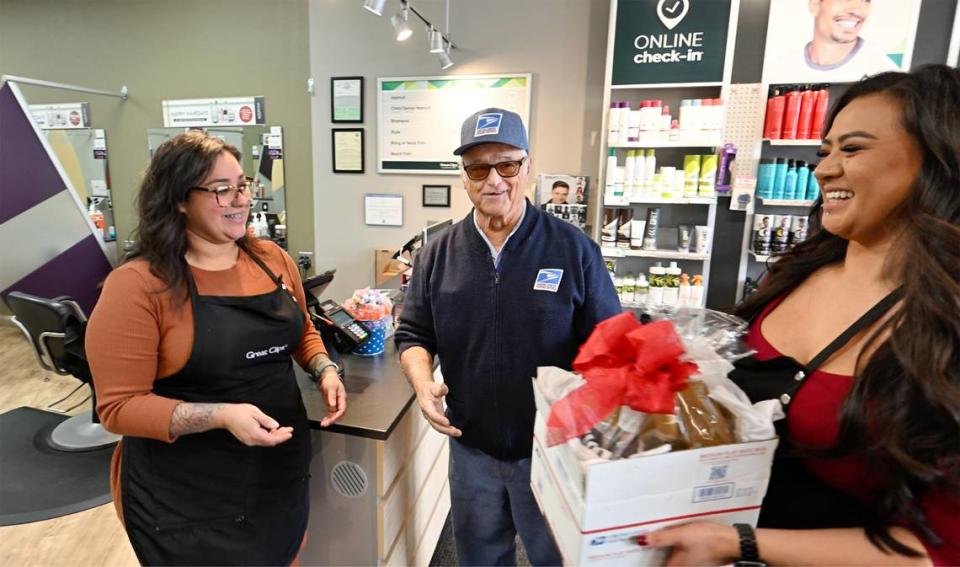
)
(623, 363)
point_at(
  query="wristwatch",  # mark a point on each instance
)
(324, 364)
(749, 555)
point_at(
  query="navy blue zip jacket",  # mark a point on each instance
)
(492, 328)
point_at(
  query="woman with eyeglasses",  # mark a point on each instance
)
(191, 347)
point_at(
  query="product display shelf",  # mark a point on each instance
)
(762, 259)
(704, 137)
(786, 203)
(792, 142)
(702, 143)
(659, 201)
(610, 252)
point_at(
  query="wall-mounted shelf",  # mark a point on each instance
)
(792, 142)
(609, 252)
(786, 203)
(700, 143)
(763, 259)
(657, 201)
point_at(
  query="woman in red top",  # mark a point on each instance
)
(857, 332)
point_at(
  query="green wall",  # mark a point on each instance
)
(235, 48)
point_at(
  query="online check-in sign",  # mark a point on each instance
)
(672, 12)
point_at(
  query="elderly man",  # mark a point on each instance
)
(505, 290)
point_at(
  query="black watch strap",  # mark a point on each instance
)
(748, 545)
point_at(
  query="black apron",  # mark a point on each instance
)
(208, 499)
(796, 498)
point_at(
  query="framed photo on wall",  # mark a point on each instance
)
(346, 100)
(814, 42)
(436, 195)
(348, 154)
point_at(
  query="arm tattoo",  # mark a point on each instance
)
(193, 418)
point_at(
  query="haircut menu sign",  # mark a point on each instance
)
(670, 41)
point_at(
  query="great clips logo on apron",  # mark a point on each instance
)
(254, 354)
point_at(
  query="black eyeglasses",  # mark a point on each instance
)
(480, 171)
(227, 194)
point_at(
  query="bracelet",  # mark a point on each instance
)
(749, 554)
(323, 365)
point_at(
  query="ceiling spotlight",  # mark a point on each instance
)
(436, 40)
(445, 61)
(400, 24)
(375, 6)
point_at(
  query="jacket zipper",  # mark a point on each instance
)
(496, 349)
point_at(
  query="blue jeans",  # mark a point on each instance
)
(491, 501)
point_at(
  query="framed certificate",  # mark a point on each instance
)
(436, 195)
(346, 100)
(348, 150)
(383, 209)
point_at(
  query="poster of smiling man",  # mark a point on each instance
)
(838, 41)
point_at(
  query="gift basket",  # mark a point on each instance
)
(374, 310)
(655, 388)
(648, 431)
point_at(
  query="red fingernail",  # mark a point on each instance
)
(641, 540)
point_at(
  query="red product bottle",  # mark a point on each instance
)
(807, 103)
(820, 105)
(774, 121)
(791, 114)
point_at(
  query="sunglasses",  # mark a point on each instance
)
(480, 171)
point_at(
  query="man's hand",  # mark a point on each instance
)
(430, 398)
(334, 394)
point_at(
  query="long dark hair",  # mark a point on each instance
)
(903, 412)
(178, 164)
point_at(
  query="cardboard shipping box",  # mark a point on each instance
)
(595, 512)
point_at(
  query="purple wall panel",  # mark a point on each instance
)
(27, 176)
(78, 272)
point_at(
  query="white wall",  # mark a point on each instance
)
(561, 42)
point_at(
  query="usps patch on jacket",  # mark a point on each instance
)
(548, 279)
(488, 124)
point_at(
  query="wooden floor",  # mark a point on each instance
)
(91, 538)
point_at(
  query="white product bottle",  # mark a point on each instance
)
(665, 121)
(685, 290)
(618, 176)
(628, 293)
(686, 117)
(642, 290)
(629, 173)
(671, 291)
(609, 186)
(613, 124)
(625, 111)
(633, 132)
(657, 273)
(656, 109)
(639, 175)
(649, 169)
(696, 118)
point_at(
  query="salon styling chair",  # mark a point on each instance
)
(55, 328)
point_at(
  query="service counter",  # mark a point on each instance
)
(379, 493)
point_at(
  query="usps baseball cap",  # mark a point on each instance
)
(492, 125)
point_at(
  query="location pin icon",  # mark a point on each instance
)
(672, 12)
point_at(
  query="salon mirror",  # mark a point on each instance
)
(82, 153)
(262, 159)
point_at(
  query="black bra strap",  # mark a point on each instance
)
(860, 324)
